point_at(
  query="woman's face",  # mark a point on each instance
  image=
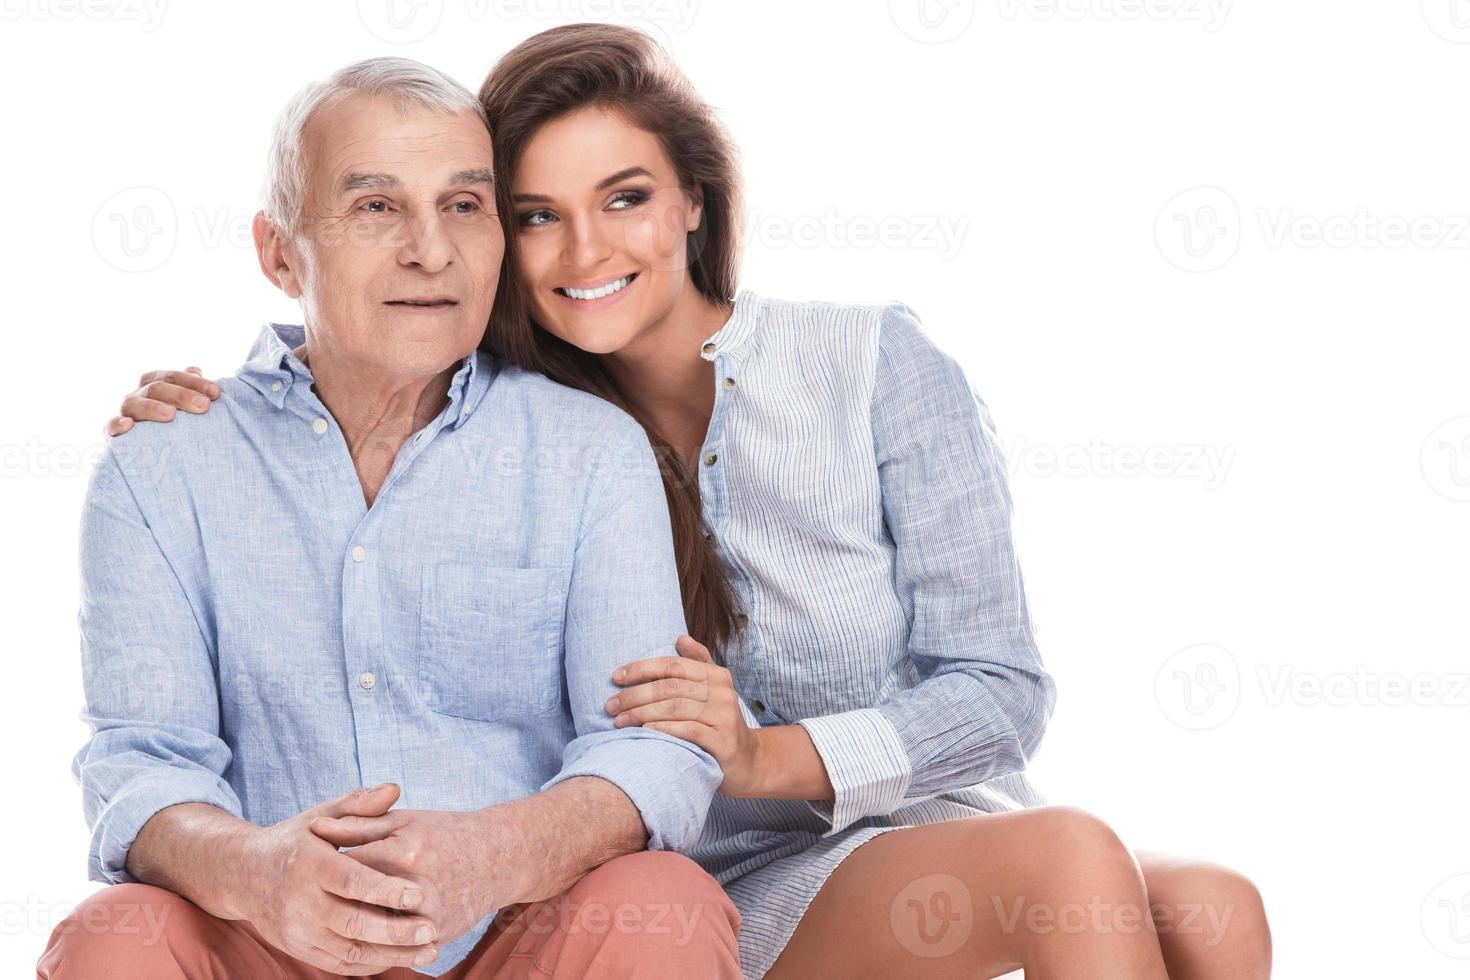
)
(601, 222)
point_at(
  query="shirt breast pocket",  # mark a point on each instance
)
(490, 640)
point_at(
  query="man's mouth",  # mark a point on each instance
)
(606, 289)
(424, 302)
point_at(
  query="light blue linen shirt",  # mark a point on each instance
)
(256, 638)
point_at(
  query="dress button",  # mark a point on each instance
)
(709, 459)
(367, 680)
(275, 386)
(709, 538)
(756, 706)
(729, 383)
(359, 554)
(319, 426)
(708, 348)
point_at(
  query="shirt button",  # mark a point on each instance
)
(709, 459)
(367, 680)
(275, 386)
(729, 383)
(319, 426)
(741, 620)
(756, 706)
(359, 554)
(708, 348)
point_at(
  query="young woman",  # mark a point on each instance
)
(868, 678)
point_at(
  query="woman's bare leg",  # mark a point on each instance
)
(1050, 889)
(1211, 922)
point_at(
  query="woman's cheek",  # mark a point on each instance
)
(656, 239)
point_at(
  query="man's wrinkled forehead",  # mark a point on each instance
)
(363, 142)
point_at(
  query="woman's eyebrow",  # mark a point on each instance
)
(602, 184)
(624, 174)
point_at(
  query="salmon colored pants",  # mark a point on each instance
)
(651, 914)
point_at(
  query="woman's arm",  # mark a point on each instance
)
(160, 394)
(984, 697)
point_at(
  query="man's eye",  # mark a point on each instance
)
(375, 207)
(465, 207)
(537, 218)
(623, 200)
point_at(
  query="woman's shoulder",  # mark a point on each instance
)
(854, 328)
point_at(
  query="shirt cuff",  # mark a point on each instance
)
(866, 763)
(672, 782)
(136, 803)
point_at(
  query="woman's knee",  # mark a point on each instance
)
(1077, 851)
(1210, 912)
(119, 930)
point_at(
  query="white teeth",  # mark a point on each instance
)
(599, 292)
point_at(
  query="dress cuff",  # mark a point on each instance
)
(866, 763)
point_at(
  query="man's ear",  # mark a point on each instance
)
(275, 258)
(696, 206)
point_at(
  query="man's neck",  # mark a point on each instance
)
(377, 415)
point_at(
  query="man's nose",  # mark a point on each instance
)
(427, 245)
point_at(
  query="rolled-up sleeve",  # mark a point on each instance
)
(151, 698)
(623, 604)
(984, 698)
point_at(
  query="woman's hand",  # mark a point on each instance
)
(691, 697)
(160, 394)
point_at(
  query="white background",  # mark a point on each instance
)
(1206, 262)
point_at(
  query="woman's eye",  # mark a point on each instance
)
(536, 218)
(623, 200)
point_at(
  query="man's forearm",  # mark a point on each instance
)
(193, 849)
(564, 832)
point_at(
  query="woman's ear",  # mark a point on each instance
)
(696, 206)
(274, 255)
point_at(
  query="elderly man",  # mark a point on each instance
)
(392, 562)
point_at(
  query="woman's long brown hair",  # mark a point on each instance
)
(547, 76)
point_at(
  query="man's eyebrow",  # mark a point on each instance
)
(357, 181)
(479, 175)
(602, 184)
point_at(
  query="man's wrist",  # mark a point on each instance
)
(199, 852)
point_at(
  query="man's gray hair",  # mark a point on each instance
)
(413, 84)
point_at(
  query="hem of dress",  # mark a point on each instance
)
(794, 921)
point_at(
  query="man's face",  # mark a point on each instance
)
(400, 246)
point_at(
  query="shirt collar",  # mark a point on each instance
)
(744, 318)
(273, 370)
